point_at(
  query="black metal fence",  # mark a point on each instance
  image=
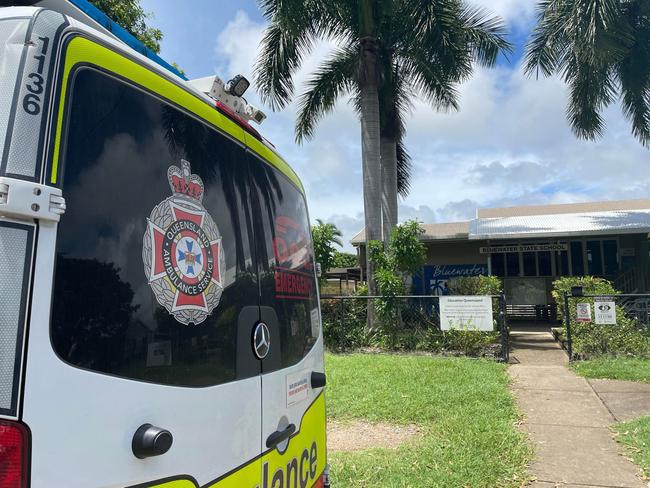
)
(409, 322)
(605, 325)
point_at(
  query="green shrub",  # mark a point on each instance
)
(590, 339)
(471, 342)
(344, 322)
(475, 285)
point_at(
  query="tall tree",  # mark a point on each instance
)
(601, 48)
(295, 25)
(388, 51)
(325, 236)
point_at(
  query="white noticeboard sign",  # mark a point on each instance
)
(584, 312)
(466, 313)
(605, 313)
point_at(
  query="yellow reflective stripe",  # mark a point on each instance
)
(246, 477)
(310, 439)
(83, 50)
(312, 433)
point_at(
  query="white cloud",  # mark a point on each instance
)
(509, 144)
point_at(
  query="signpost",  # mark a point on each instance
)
(605, 312)
(466, 313)
(584, 312)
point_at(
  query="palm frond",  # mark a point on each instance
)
(485, 34)
(429, 78)
(591, 89)
(404, 169)
(633, 71)
(335, 76)
(280, 58)
(548, 44)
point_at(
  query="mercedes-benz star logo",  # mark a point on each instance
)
(261, 340)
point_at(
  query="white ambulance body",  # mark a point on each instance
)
(159, 314)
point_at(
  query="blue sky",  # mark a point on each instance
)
(509, 144)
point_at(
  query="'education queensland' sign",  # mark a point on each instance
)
(433, 280)
(466, 313)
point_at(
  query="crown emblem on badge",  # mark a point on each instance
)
(183, 183)
(181, 250)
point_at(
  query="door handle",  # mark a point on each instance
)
(151, 441)
(280, 436)
(318, 380)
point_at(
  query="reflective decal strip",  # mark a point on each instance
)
(81, 50)
(13, 35)
(16, 245)
(23, 146)
(305, 458)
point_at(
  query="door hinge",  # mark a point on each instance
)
(28, 200)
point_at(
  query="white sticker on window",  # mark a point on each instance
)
(297, 388)
(315, 322)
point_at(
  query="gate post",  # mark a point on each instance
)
(505, 336)
(567, 322)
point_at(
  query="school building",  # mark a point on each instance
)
(531, 246)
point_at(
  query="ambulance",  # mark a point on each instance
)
(159, 311)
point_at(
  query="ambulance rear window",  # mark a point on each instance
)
(288, 282)
(145, 184)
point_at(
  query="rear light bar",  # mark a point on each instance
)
(14, 454)
(232, 115)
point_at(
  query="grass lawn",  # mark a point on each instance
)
(463, 407)
(630, 369)
(635, 436)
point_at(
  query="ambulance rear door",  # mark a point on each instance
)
(288, 339)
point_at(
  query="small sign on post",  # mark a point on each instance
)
(605, 312)
(466, 313)
(584, 312)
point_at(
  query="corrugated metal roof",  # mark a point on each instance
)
(432, 232)
(593, 218)
(565, 208)
(570, 224)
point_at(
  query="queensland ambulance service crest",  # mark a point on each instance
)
(182, 253)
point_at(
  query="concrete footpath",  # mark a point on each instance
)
(566, 419)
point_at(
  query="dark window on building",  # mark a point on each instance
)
(610, 257)
(544, 260)
(288, 284)
(105, 316)
(498, 264)
(530, 266)
(577, 260)
(512, 263)
(594, 258)
(562, 262)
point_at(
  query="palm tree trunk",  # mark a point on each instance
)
(372, 187)
(388, 149)
(370, 149)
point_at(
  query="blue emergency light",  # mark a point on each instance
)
(122, 34)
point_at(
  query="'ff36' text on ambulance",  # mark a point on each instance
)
(159, 314)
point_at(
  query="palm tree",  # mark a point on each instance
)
(601, 48)
(388, 51)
